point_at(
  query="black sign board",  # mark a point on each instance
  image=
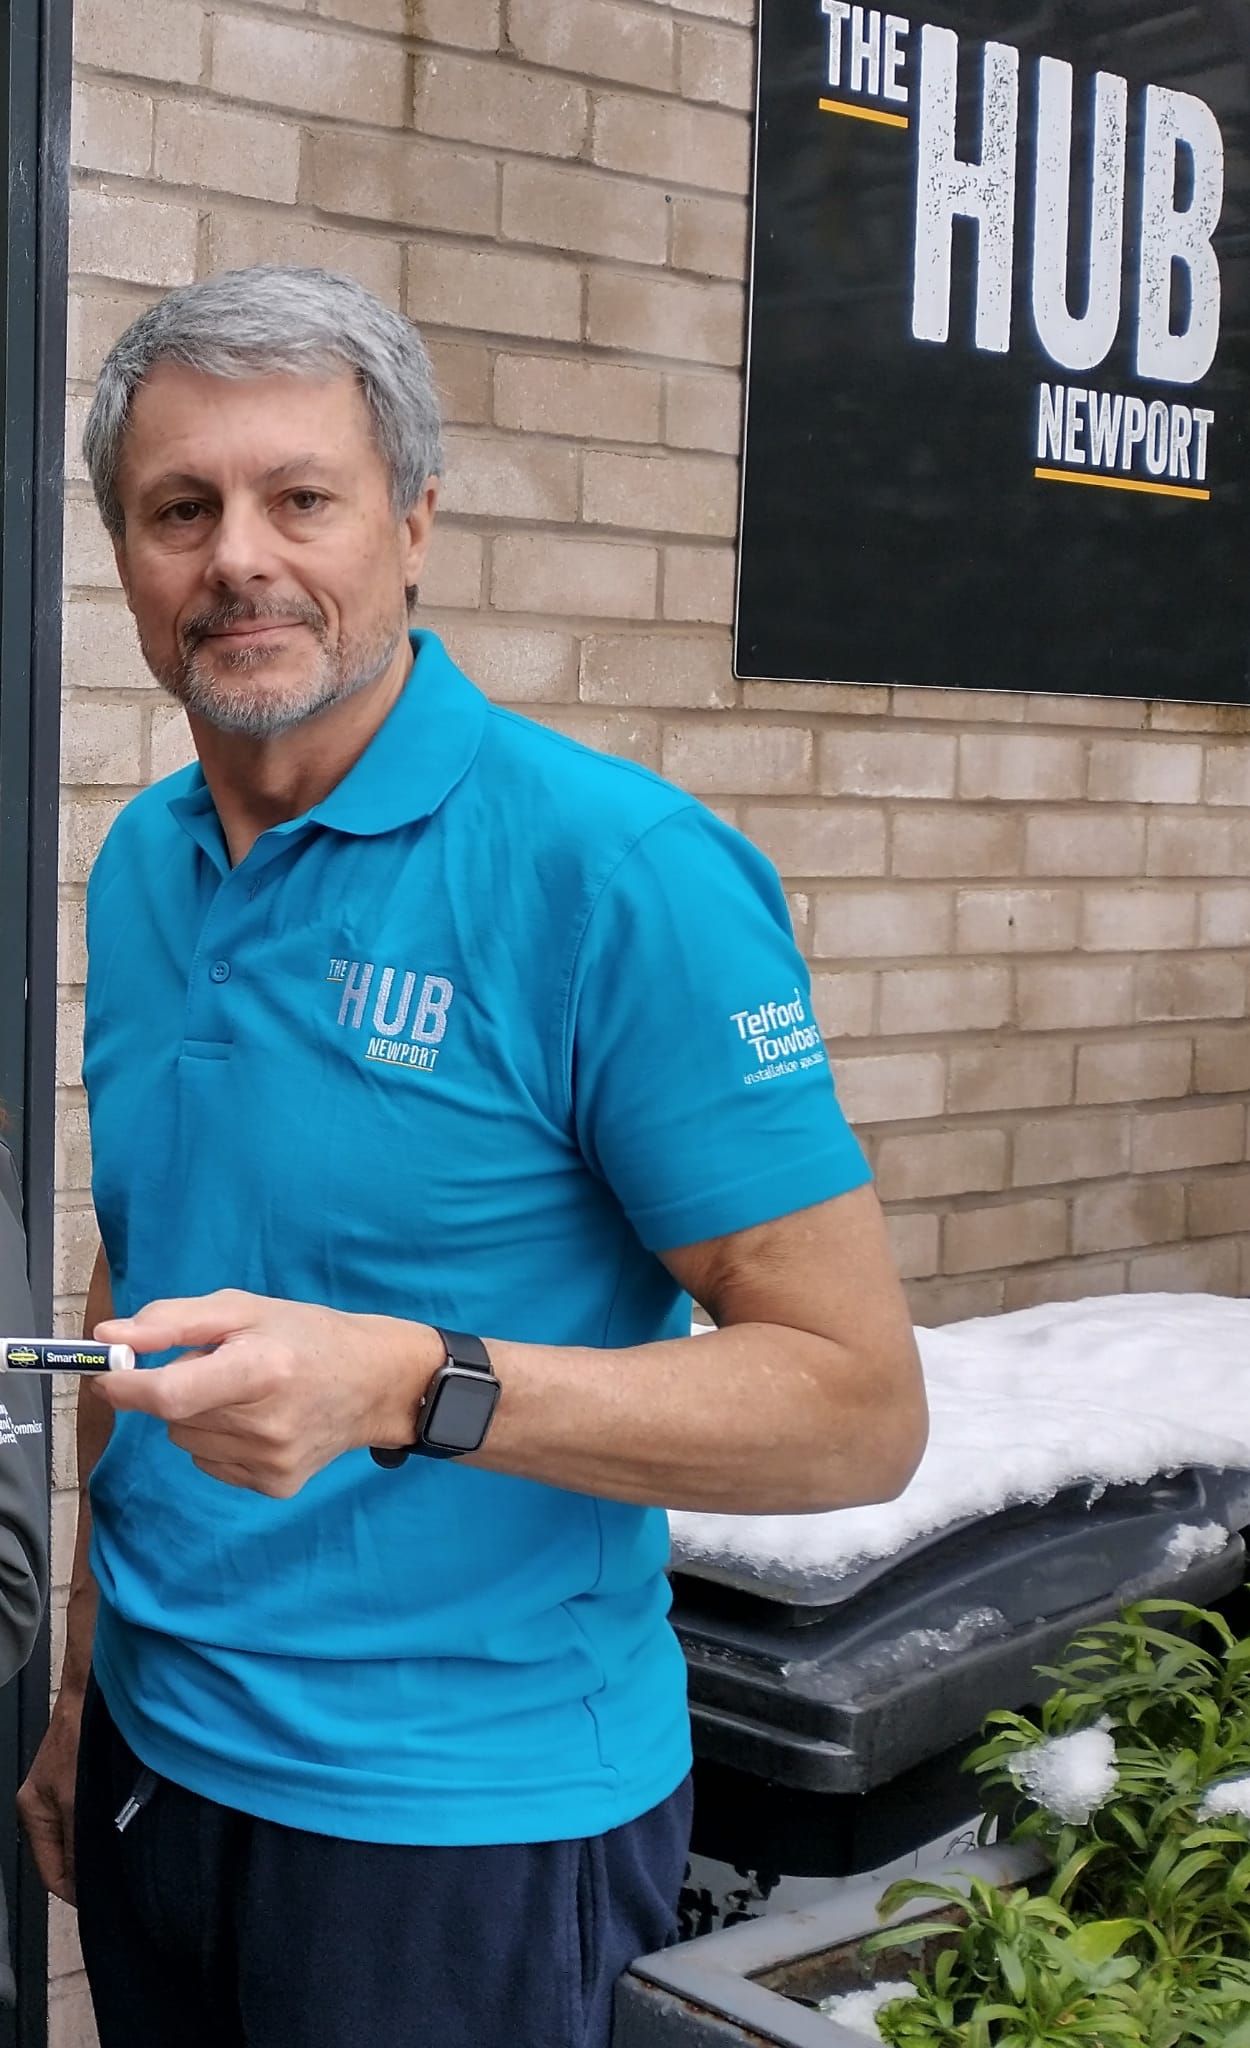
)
(999, 381)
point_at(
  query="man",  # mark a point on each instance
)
(408, 1018)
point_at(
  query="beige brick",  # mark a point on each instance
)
(1012, 1076)
(1206, 1135)
(935, 1302)
(885, 1088)
(699, 585)
(1015, 1234)
(76, 408)
(89, 560)
(739, 760)
(1073, 995)
(453, 574)
(1069, 1148)
(70, 2022)
(101, 648)
(887, 764)
(703, 412)
(1197, 844)
(64, 1952)
(239, 239)
(1016, 920)
(395, 178)
(961, 707)
(462, 371)
(673, 317)
(842, 1004)
(1145, 772)
(96, 320)
(710, 236)
(84, 827)
(1070, 1282)
(1138, 920)
(806, 839)
(968, 1161)
(717, 64)
(965, 844)
(1222, 1062)
(498, 104)
(598, 38)
(669, 140)
(172, 746)
(675, 669)
(842, 700)
(114, 235)
(1123, 712)
(722, 10)
(1224, 916)
(1134, 1069)
(1227, 720)
(882, 924)
(1227, 778)
(493, 477)
(1219, 1204)
(110, 130)
(947, 999)
(217, 150)
(1210, 1268)
(515, 664)
(490, 291)
(464, 24)
(76, 1241)
(609, 732)
(304, 68)
(590, 578)
(560, 208)
(100, 742)
(1073, 843)
(71, 935)
(914, 1243)
(586, 400)
(686, 494)
(1180, 989)
(141, 38)
(1112, 1219)
(1025, 767)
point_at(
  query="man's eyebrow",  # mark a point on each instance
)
(187, 480)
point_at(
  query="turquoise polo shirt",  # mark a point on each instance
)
(470, 1043)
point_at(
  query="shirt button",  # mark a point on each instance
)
(220, 970)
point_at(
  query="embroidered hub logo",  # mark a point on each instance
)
(781, 1038)
(405, 1029)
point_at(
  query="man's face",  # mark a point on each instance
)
(262, 557)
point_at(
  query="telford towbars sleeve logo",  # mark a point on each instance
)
(781, 1039)
(884, 68)
(401, 1015)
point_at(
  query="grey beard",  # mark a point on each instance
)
(250, 712)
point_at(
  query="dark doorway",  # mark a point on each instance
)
(35, 82)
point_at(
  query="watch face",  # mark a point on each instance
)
(461, 1411)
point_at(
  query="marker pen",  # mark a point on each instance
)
(48, 1354)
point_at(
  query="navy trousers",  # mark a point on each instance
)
(205, 1928)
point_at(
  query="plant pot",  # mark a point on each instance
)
(738, 1988)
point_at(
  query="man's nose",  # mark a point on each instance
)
(242, 552)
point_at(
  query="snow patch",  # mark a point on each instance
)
(1193, 1540)
(858, 2009)
(1231, 1799)
(1098, 1392)
(1070, 1776)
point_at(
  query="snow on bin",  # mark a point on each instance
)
(1081, 1456)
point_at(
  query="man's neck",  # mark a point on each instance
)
(256, 784)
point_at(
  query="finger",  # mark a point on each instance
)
(196, 1386)
(243, 1477)
(198, 1319)
(46, 1834)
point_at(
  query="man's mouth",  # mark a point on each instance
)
(252, 629)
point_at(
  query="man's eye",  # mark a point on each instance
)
(306, 501)
(184, 513)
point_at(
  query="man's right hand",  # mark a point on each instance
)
(45, 1803)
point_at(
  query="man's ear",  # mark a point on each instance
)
(419, 528)
(119, 556)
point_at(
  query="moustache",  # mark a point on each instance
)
(234, 612)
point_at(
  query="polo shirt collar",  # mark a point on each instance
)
(423, 747)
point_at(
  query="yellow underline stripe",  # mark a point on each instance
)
(1122, 483)
(864, 113)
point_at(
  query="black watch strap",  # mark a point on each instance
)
(460, 1349)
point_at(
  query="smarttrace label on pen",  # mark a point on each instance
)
(45, 1354)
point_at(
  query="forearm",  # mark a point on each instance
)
(94, 1428)
(754, 1419)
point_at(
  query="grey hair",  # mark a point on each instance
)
(275, 320)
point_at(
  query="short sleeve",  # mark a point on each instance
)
(701, 1090)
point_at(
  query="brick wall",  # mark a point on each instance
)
(1025, 917)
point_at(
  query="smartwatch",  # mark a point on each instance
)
(456, 1409)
